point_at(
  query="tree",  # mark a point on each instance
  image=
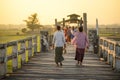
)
(24, 30)
(32, 22)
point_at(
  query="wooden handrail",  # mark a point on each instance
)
(19, 48)
(110, 50)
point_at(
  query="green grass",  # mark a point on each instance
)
(10, 35)
(9, 32)
(108, 35)
(115, 37)
(5, 39)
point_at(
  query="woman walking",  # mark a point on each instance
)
(59, 43)
(81, 42)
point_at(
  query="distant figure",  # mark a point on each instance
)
(72, 32)
(68, 35)
(65, 32)
(44, 44)
(81, 42)
(76, 29)
(59, 44)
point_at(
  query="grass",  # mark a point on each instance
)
(10, 35)
(109, 35)
(115, 37)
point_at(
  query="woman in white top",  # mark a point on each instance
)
(59, 44)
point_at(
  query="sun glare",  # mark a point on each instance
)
(15, 11)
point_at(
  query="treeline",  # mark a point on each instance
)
(107, 30)
(105, 26)
(12, 26)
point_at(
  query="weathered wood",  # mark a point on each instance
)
(22, 51)
(11, 43)
(17, 54)
(3, 59)
(42, 67)
(35, 44)
(110, 51)
(85, 22)
(2, 46)
(30, 48)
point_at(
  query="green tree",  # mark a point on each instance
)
(24, 30)
(32, 22)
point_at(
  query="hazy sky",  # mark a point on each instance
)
(15, 11)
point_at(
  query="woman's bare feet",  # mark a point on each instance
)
(57, 65)
(61, 64)
(80, 63)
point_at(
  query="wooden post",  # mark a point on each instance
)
(55, 22)
(97, 27)
(63, 22)
(3, 60)
(114, 55)
(15, 55)
(29, 47)
(85, 22)
(117, 61)
(35, 44)
(22, 51)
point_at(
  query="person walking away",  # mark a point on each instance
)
(69, 35)
(59, 43)
(81, 42)
(65, 33)
(72, 32)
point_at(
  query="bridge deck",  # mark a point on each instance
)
(42, 67)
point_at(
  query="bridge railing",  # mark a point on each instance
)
(109, 50)
(15, 53)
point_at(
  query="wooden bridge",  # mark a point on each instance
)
(42, 67)
(23, 60)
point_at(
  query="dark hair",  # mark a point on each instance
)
(81, 28)
(58, 27)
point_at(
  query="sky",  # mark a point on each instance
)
(15, 11)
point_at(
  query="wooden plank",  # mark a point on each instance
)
(42, 67)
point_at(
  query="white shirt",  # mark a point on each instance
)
(59, 39)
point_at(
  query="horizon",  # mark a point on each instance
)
(106, 11)
(52, 24)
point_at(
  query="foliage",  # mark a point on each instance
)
(24, 30)
(32, 22)
(17, 33)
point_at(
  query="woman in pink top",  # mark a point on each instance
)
(81, 42)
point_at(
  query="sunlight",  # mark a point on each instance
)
(48, 10)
